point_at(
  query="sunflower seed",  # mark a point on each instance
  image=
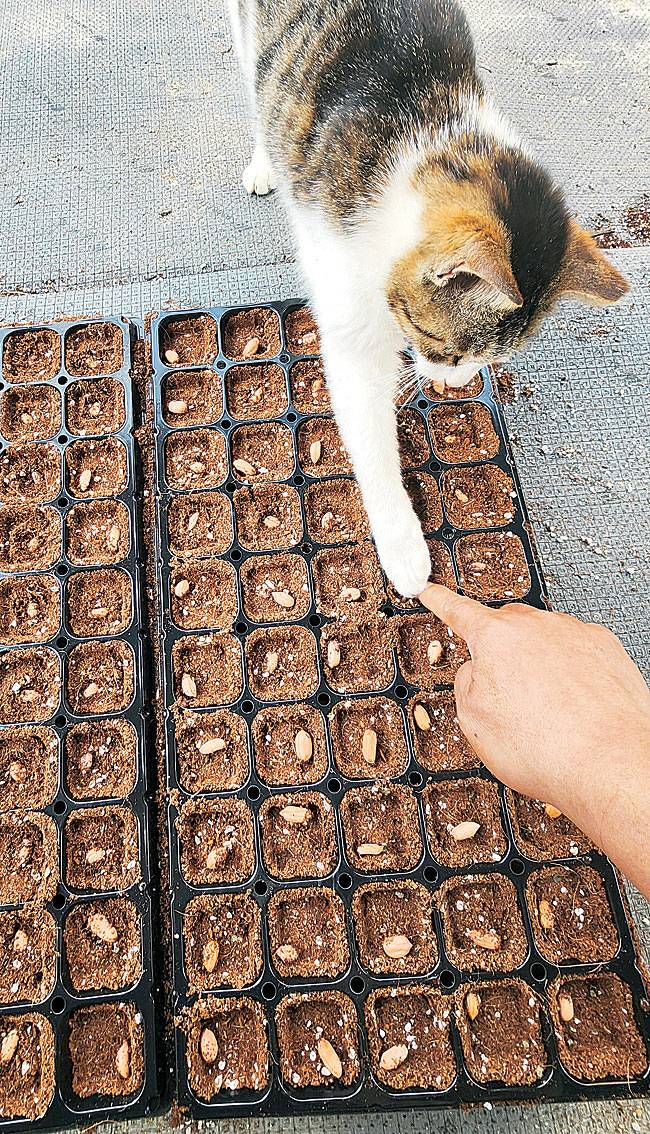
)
(315, 450)
(350, 594)
(465, 830)
(210, 955)
(370, 849)
(101, 927)
(188, 685)
(393, 1057)
(177, 405)
(545, 914)
(271, 522)
(271, 662)
(303, 746)
(485, 939)
(283, 598)
(333, 654)
(210, 746)
(462, 496)
(122, 1060)
(20, 941)
(192, 520)
(244, 467)
(84, 479)
(172, 357)
(90, 690)
(251, 347)
(329, 1058)
(369, 746)
(434, 652)
(8, 1046)
(565, 1002)
(181, 588)
(551, 811)
(472, 1004)
(422, 718)
(95, 855)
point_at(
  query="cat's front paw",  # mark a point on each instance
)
(258, 177)
(405, 558)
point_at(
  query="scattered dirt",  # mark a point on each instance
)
(30, 685)
(301, 331)
(100, 760)
(540, 833)
(195, 459)
(381, 829)
(199, 524)
(204, 595)
(207, 670)
(411, 1025)
(102, 945)
(393, 927)
(505, 384)
(31, 355)
(97, 533)
(368, 738)
(463, 821)
(29, 474)
(106, 1044)
(192, 397)
(357, 656)
(96, 468)
(318, 1040)
(307, 933)
(481, 922)
(101, 849)
(96, 348)
(29, 759)
(297, 832)
(30, 609)
(281, 663)
(256, 391)
(30, 413)
(492, 566)
(268, 517)
(100, 677)
(262, 452)
(335, 512)
(503, 1041)
(252, 333)
(211, 750)
(216, 841)
(96, 406)
(637, 220)
(222, 941)
(439, 744)
(289, 745)
(570, 915)
(308, 390)
(600, 1040)
(188, 340)
(215, 1028)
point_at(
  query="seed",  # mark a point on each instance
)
(17, 772)
(545, 914)
(370, 849)
(197, 467)
(188, 685)
(99, 612)
(210, 955)
(177, 406)
(485, 939)
(326, 521)
(256, 395)
(303, 746)
(95, 855)
(478, 566)
(251, 347)
(84, 479)
(472, 1004)
(286, 953)
(450, 437)
(208, 1046)
(216, 857)
(438, 385)
(30, 695)
(566, 1007)
(181, 588)
(465, 830)
(422, 718)
(271, 661)
(86, 761)
(369, 746)
(102, 928)
(333, 654)
(95, 409)
(294, 814)
(26, 418)
(20, 941)
(122, 1060)
(32, 610)
(397, 946)
(210, 746)
(244, 467)
(551, 811)
(192, 521)
(329, 1058)
(317, 386)
(393, 1057)
(309, 337)
(90, 690)
(462, 496)
(8, 1046)
(283, 598)
(113, 538)
(434, 652)
(172, 356)
(350, 594)
(315, 450)
(271, 522)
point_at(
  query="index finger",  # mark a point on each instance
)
(464, 615)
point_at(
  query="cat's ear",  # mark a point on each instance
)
(485, 256)
(587, 273)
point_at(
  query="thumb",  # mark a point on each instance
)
(464, 615)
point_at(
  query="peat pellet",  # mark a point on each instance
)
(95, 406)
(429, 653)
(256, 391)
(95, 348)
(216, 841)
(423, 492)
(268, 517)
(297, 832)
(363, 648)
(335, 512)
(318, 1039)
(411, 1024)
(106, 1047)
(571, 916)
(502, 1039)
(320, 449)
(222, 941)
(307, 932)
(29, 859)
(188, 340)
(482, 923)
(289, 745)
(251, 333)
(30, 413)
(595, 1027)
(348, 581)
(30, 609)
(281, 663)
(100, 677)
(471, 389)
(96, 468)
(27, 1093)
(29, 474)
(217, 1060)
(301, 331)
(29, 767)
(100, 759)
(452, 811)
(97, 533)
(393, 927)
(492, 566)
(461, 433)
(102, 947)
(31, 355)
(199, 524)
(478, 497)
(30, 685)
(540, 832)
(27, 955)
(261, 452)
(438, 742)
(30, 538)
(442, 572)
(350, 723)
(195, 458)
(275, 588)
(203, 595)
(412, 438)
(309, 393)
(207, 670)
(101, 849)
(98, 603)
(211, 750)
(381, 829)
(192, 397)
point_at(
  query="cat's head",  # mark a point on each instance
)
(496, 250)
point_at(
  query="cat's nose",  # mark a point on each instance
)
(454, 359)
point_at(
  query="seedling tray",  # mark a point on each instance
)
(456, 1073)
(87, 1017)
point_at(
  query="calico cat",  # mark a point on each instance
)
(419, 215)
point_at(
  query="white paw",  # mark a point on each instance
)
(258, 178)
(404, 555)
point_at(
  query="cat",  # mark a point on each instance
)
(419, 216)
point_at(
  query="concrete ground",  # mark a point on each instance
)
(124, 131)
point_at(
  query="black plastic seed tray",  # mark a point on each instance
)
(40, 412)
(210, 1087)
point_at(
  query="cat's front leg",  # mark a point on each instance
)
(362, 391)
